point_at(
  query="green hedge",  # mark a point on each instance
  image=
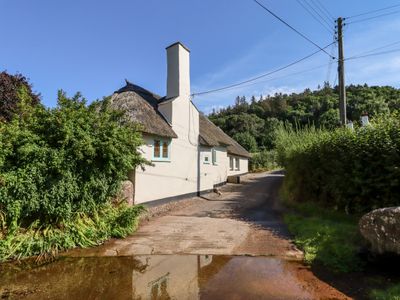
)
(352, 170)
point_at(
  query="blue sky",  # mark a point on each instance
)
(91, 46)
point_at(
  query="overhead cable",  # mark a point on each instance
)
(260, 76)
(291, 27)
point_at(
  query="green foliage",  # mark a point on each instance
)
(260, 118)
(352, 171)
(329, 238)
(55, 162)
(15, 92)
(81, 230)
(263, 161)
(391, 293)
(59, 169)
(246, 140)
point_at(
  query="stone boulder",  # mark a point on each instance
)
(126, 192)
(381, 228)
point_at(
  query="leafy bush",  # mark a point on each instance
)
(354, 171)
(59, 169)
(14, 90)
(246, 140)
(392, 293)
(263, 161)
(329, 238)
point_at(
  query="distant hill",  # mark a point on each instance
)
(252, 123)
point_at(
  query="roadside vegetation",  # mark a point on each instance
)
(327, 237)
(61, 170)
(391, 293)
(332, 178)
(352, 171)
(265, 160)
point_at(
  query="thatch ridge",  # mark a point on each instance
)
(140, 105)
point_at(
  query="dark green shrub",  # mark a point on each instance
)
(354, 171)
(65, 160)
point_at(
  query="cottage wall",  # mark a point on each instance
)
(213, 174)
(243, 166)
(177, 176)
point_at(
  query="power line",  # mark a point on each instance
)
(328, 75)
(291, 27)
(373, 11)
(314, 17)
(318, 14)
(261, 76)
(284, 76)
(373, 54)
(374, 17)
(328, 14)
(379, 48)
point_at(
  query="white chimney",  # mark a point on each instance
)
(178, 73)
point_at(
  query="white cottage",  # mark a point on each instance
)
(189, 153)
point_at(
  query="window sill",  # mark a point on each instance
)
(215, 164)
(161, 160)
(206, 163)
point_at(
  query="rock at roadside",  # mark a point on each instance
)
(127, 192)
(381, 228)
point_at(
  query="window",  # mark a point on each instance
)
(156, 153)
(237, 163)
(206, 159)
(231, 163)
(165, 150)
(161, 150)
(214, 156)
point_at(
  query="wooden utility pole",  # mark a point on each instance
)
(342, 86)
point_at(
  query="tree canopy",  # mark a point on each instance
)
(259, 118)
(15, 90)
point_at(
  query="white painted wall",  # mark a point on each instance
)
(179, 175)
(243, 166)
(212, 174)
(178, 275)
(185, 172)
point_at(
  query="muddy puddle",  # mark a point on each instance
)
(163, 277)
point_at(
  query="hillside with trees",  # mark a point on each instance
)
(253, 122)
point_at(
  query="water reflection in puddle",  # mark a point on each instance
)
(156, 277)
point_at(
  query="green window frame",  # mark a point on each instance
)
(214, 156)
(161, 150)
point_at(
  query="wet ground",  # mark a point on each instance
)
(164, 277)
(233, 246)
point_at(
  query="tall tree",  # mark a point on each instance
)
(15, 91)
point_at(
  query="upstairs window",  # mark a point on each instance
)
(206, 159)
(161, 150)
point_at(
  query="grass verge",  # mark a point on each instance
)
(326, 237)
(391, 293)
(81, 231)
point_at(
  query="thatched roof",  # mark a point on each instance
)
(140, 106)
(211, 135)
